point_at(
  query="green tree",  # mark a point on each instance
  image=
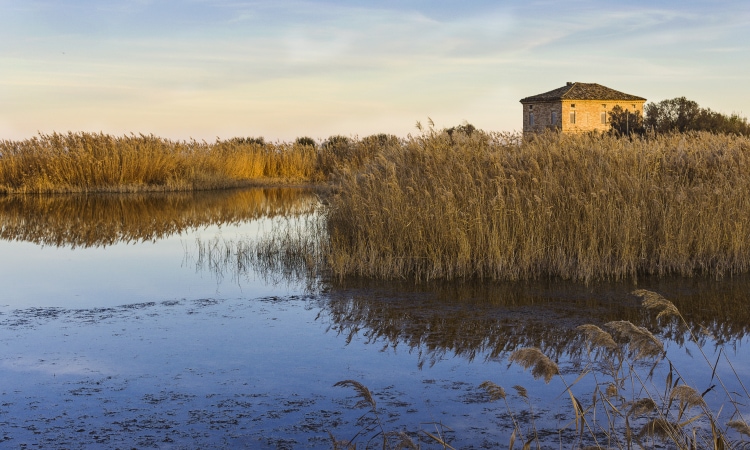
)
(681, 115)
(623, 122)
(248, 140)
(677, 114)
(465, 128)
(305, 141)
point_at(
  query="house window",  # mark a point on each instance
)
(604, 118)
(572, 105)
(531, 107)
(531, 119)
(572, 117)
(553, 118)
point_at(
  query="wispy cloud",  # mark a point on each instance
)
(273, 62)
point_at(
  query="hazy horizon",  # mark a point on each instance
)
(221, 68)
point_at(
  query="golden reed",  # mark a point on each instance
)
(85, 162)
(572, 207)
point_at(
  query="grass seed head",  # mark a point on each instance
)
(642, 406)
(660, 428)
(739, 426)
(687, 396)
(597, 337)
(362, 392)
(642, 343)
(654, 301)
(495, 392)
(540, 364)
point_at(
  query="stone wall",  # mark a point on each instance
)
(546, 115)
(588, 115)
(593, 115)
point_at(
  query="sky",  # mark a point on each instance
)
(208, 69)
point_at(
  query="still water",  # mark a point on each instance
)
(178, 321)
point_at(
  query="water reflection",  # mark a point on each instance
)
(290, 252)
(491, 320)
(465, 319)
(473, 319)
(100, 220)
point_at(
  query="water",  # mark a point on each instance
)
(147, 321)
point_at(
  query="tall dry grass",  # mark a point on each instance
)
(85, 162)
(572, 207)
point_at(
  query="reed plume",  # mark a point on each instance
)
(654, 301)
(739, 426)
(541, 366)
(367, 400)
(495, 392)
(596, 337)
(642, 406)
(641, 343)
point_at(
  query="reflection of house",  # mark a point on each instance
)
(576, 107)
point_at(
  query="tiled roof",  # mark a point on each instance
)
(581, 91)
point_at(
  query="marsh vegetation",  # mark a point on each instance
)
(459, 203)
(457, 207)
(447, 337)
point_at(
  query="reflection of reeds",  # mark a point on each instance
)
(627, 410)
(104, 219)
(291, 252)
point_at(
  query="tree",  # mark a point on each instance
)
(465, 128)
(682, 115)
(623, 122)
(305, 141)
(677, 114)
(248, 140)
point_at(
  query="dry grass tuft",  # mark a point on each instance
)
(367, 400)
(740, 427)
(642, 406)
(642, 343)
(654, 301)
(687, 396)
(88, 162)
(597, 337)
(662, 429)
(575, 207)
(540, 364)
(495, 392)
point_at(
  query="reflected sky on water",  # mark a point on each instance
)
(168, 319)
(109, 250)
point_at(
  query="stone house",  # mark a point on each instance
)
(576, 108)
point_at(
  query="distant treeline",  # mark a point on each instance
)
(677, 115)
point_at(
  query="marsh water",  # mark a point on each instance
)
(178, 321)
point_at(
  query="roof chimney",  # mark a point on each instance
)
(569, 83)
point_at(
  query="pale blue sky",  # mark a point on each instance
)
(282, 69)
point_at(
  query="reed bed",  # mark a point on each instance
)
(85, 162)
(492, 206)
